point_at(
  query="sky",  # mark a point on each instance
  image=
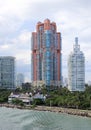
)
(18, 18)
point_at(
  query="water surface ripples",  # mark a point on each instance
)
(15, 119)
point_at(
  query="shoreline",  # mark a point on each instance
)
(78, 112)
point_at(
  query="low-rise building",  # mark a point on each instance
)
(39, 96)
(25, 98)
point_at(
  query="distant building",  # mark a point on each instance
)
(65, 82)
(7, 72)
(89, 83)
(46, 55)
(76, 69)
(20, 79)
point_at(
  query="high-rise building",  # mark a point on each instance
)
(20, 79)
(46, 55)
(76, 69)
(65, 82)
(89, 83)
(7, 72)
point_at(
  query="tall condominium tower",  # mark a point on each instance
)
(7, 72)
(46, 54)
(76, 69)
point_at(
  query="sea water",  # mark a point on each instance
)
(15, 119)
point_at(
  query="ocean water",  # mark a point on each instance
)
(15, 119)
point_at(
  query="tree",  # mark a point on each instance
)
(38, 101)
(17, 102)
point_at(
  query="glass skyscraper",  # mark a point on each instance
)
(46, 55)
(7, 72)
(76, 69)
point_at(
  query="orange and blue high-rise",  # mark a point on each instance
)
(46, 55)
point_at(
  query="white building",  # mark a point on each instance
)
(38, 96)
(89, 83)
(25, 98)
(65, 82)
(7, 72)
(20, 79)
(76, 69)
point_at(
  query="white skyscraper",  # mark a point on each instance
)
(7, 72)
(76, 69)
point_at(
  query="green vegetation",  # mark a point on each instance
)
(17, 102)
(23, 90)
(4, 93)
(64, 98)
(61, 97)
(37, 102)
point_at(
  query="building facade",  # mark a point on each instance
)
(7, 72)
(76, 69)
(20, 79)
(46, 55)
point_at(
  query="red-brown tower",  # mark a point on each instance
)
(46, 54)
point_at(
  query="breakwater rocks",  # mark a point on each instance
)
(11, 106)
(78, 112)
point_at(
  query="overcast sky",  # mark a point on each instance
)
(18, 19)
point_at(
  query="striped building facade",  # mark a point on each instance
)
(76, 69)
(46, 55)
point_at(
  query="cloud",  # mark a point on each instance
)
(18, 18)
(12, 15)
(19, 47)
